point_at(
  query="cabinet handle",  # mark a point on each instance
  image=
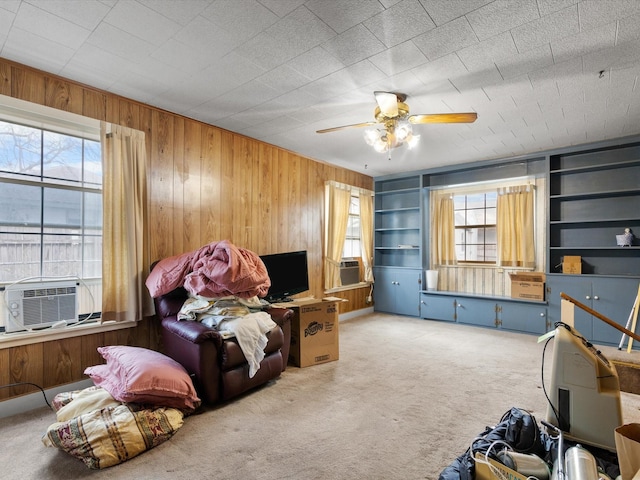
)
(588, 297)
(596, 297)
(542, 314)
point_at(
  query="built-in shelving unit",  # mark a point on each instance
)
(593, 196)
(398, 222)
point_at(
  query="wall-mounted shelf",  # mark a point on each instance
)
(398, 223)
(593, 196)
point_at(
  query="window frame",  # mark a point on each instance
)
(49, 119)
(484, 226)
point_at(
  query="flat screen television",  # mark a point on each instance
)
(289, 275)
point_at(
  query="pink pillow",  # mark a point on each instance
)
(139, 375)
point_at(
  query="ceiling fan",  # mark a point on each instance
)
(392, 114)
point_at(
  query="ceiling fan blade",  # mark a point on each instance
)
(355, 125)
(388, 103)
(468, 117)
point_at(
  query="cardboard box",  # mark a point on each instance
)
(483, 472)
(572, 264)
(527, 285)
(314, 333)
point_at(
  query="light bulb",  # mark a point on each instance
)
(412, 141)
(371, 136)
(403, 132)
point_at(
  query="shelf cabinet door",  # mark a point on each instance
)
(609, 296)
(407, 292)
(433, 307)
(477, 311)
(397, 290)
(524, 317)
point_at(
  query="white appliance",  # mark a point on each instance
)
(585, 391)
(39, 305)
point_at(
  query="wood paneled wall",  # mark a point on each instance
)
(205, 184)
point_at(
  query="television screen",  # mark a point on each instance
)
(288, 273)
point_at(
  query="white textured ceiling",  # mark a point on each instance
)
(541, 74)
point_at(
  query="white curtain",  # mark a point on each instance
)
(337, 200)
(443, 243)
(515, 226)
(125, 252)
(366, 234)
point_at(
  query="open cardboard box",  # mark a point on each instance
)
(572, 264)
(484, 472)
(527, 285)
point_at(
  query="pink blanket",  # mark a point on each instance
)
(216, 270)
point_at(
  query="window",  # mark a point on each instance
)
(51, 197)
(352, 239)
(475, 227)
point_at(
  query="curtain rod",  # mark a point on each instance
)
(346, 186)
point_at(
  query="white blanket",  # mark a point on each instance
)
(251, 332)
(233, 318)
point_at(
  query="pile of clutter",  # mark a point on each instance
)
(518, 448)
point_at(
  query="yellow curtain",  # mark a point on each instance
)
(515, 227)
(443, 230)
(125, 252)
(366, 234)
(337, 202)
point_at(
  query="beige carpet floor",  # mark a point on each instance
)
(406, 397)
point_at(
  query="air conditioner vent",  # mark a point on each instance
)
(349, 272)
(40, 305)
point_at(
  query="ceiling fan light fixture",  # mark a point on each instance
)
(403, 131)
(381, 145)
(412, 141)
(371, 136)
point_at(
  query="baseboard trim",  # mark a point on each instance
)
(355, 313)
(31, 401)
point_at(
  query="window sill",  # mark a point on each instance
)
(484, 265)
(17, 339)
(344, 288)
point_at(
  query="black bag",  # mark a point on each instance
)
(517, 427)
(523, 433)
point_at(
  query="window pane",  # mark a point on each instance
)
(93, 213)
(475, 201)
(490, 235)
(475, 217)
(62, 255)
(62, 156)
(19, 149)
(20, 210)
(490, 253)
(471, 253)
(459, 202)
(460, 218)
(92, 162)
(354, 206)
(19, 256)
(474, 235)
(491, 198)
(62, 210)
(491, 216)
(92, 261)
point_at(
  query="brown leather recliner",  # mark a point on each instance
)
(217, 366)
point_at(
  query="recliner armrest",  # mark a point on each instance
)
(194, 332)
(280, 315)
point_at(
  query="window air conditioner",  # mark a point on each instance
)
(39, 305)
(349, 272)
